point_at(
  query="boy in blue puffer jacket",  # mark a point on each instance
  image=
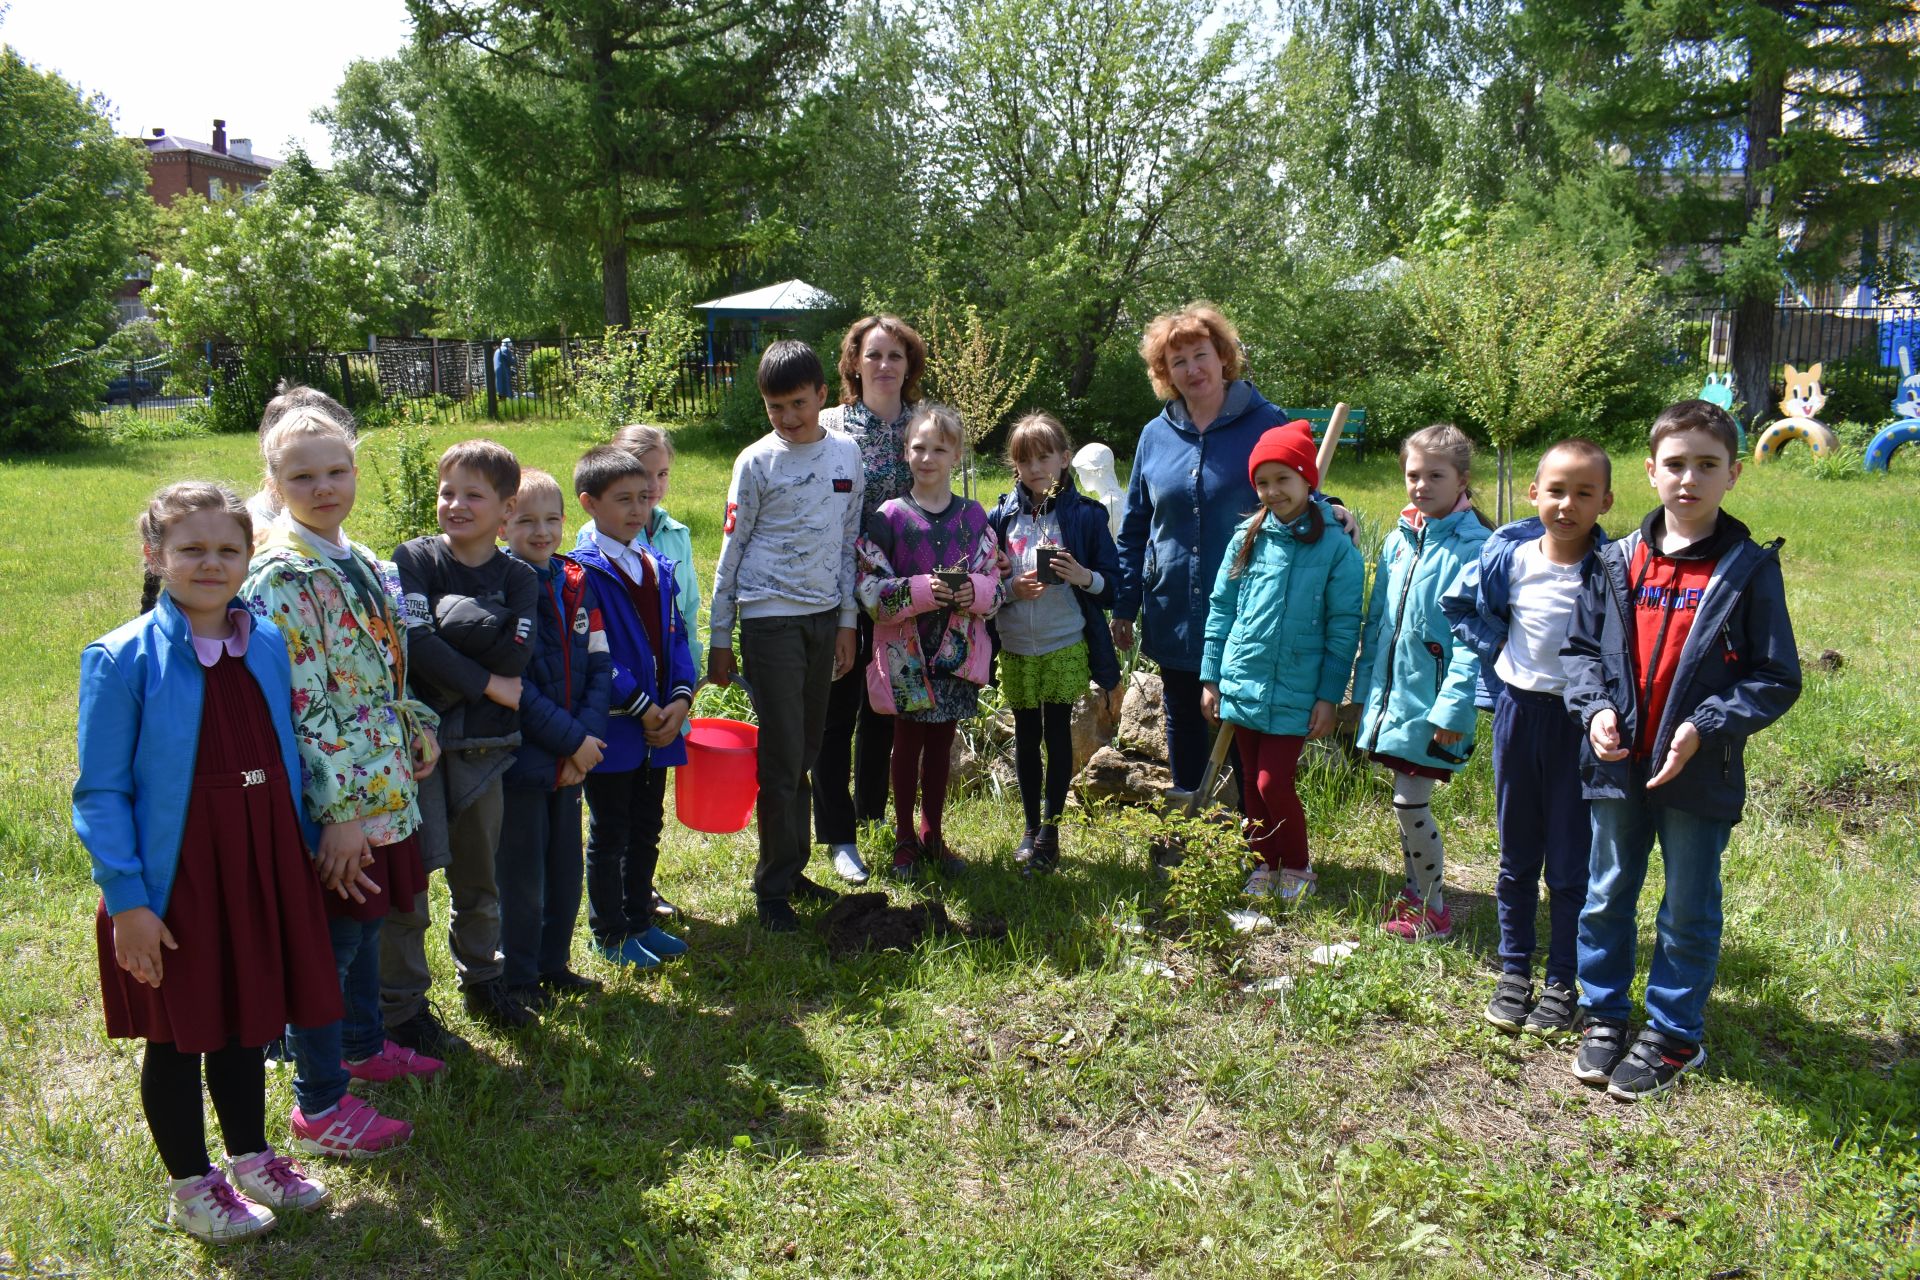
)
(1418, 683)
(1513, 609)
(563, 733)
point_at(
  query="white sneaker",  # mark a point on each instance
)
(1262, 882)
(208, 1208)
(269, 1178)
(1295, 885)
(847, 864)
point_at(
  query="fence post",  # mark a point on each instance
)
(133, 385)
(486, 372)
(434, 351)
(346, 381)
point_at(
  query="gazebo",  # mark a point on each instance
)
(771, 302)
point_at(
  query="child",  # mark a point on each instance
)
(363, 747)
(1679, 651)
(1281, 626)
(1512, 609)
(563, 733)
(210, 931)
(469, 610)
(786, 570)
(928, 576)
(651, 693)
(1419, 717)
(1052, 635)
(288, 396)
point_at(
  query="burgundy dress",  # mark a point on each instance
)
(246, 905)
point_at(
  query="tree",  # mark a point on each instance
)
(627, 128)
(1770, 140)
(77, 213)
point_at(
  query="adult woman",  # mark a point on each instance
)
(882, 360)
(1187, 492)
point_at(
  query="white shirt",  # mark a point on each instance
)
(1541, 596)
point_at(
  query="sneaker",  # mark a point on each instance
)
(392, 1062)
(805, 890)
(424, 1033)
(568, 983)
(351, 1131)
(776, 916)
(942, 858)
(662, 944)
(1296, 885)
(532, 997)
(906, 862)
(494, 1005)
(1023, 852)
(1400, 903)
(661, 907)
(1414, 923)
(1262, 882)
(1603, 1043)
(1557, 1014)
(1653, 1064)
(847, 864)
(269, 1178)
(630, 953)
(208, 1208)
(1046, 849)
(1511, 1004)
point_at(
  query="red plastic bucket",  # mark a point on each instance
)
(715, 789)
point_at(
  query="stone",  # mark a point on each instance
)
(1113, 775)
(1142, 730)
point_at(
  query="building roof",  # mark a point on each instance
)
(170, 142)
(774, 299)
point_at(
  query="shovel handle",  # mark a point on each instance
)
(1222, 740)
(1329, 443)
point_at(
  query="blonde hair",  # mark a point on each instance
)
(944, 419)
(638, 438)
(1195, 320)
(1450, 445)
(537, 483)
(1035, 436)
(173, 504)
(304, 423)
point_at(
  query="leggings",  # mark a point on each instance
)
(1272, 800)
(1419, 838)
(170, 1095)
(922, 759)
(1053, 723)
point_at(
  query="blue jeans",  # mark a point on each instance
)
(538, 870)
(1544, 826)
(1686, 950)
(319, 1071)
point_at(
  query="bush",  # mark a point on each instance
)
(1119, 400)
(742, 415)
(126, 426)
(406, 474)
(632, 372)
(547, 373)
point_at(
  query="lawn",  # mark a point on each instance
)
(1039, 1105)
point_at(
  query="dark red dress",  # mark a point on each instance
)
(246, 906)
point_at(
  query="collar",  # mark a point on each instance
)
(1239, 396)
(208, 650)
(1727, 532)
(1417, 518)
(338, 550)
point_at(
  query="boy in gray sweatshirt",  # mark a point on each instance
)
(786, 572)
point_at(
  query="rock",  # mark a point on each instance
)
(1113, 775)
(1830, 660)
(1143, 726)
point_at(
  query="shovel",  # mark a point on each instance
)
(1168, 851)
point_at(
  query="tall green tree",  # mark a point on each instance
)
(1769, 139)
(77, 204)
(631, 128)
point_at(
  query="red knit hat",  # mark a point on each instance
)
(1290, 446)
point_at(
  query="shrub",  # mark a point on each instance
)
(406, 474)
(547, 373)
(632, 372)
(126, 426)
(742, 415)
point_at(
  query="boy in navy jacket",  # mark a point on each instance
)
(1513, 608)
(1680, 650)
(563, 732)
(653, 684)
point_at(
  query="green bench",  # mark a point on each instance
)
(1354, 433)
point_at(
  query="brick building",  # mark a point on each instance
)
(177, 166)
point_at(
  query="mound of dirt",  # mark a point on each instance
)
(871, 922)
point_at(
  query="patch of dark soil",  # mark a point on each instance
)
(1861, 796)
(871, 922)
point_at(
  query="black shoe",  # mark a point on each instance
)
(1557, 1014)
(494, 1005)
(424, 1033)
(943, 859)
(663, 908)
(1023, 852)
(533, 997)
(906, 862)
(1046, 849)
(1603, 1043)
(1653, 1064)
(568, 983)
(776, 916)
(1511, 1004)
(805, 890)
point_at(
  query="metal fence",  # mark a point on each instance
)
(1857, 346)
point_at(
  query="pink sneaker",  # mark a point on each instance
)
(208, 1208)
(1414, 923)
(392, 1062)
(1398, 905)
(351, 1131)
(275, 1181)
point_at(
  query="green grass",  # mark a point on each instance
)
(1034, 1106)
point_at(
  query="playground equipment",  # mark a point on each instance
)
(1803, 400)
(1905, 427)
(1719, 390)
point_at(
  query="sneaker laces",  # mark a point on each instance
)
(281, 1173)
(226, 1199)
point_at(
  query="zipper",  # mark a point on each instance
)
(1726, 762)
(1399, 613)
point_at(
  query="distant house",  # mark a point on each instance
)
(178, 166)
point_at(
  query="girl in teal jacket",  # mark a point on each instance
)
(1281, 626)
(1418, 680)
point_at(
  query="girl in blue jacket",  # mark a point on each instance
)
(211, 932)
(1281, 626)
(1417, 679)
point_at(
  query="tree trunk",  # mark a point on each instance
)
(1753, 316)
(1080, 376)
(613, 281)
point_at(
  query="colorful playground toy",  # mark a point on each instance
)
(1905, 427)
(1719, 390)
(1803, 400)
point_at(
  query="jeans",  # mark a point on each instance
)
(473, 918)
(857, 745)
(1189, 736)
(319, 1072)
(1687, 946)
(788, 663)
(625, 812)
(1544, 826)
(538, 871)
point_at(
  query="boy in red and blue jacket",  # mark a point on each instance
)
(653, 685)
(1680, 650)
(563, 732)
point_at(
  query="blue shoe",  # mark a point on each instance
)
(662, 944)
(628, 955)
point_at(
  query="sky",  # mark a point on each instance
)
(260, 65)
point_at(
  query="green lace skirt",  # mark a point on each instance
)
(1060, 676)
